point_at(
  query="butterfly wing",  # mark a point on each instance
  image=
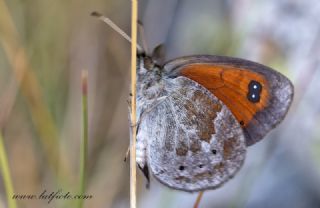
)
(194, 141)
(257, 96)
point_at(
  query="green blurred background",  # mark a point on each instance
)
(46, 44)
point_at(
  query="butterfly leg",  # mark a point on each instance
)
(127, 154)
(130, 114)
(131, 126)
(129, 119)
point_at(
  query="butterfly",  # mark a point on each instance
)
(198, 114)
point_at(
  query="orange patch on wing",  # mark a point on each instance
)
(230, 85)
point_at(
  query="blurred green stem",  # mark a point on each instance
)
(84, 139)
(5, 171)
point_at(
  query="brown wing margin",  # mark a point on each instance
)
(228, 78)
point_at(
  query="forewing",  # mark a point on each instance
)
(257, 109)
(194, 142)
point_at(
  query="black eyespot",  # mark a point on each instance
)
(200, 166)
(181, 167)
(214, 151)
(255, 86)
(241, 123)
(254, 91)
(254, 98)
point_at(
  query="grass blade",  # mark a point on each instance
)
(84, 139)
(5, 171)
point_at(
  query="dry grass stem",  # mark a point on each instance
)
(199, 197)
(133, 169)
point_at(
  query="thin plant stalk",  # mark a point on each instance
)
(133, 169)
(84, 139)
(198, 200)
(5, 171)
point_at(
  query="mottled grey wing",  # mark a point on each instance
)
(281, 91)
(194, 142)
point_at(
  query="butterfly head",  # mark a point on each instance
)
(149, 76)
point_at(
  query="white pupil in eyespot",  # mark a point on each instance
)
(255, 86)
(253, 95)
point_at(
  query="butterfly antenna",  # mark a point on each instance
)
(115, 27)
(143, 37)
